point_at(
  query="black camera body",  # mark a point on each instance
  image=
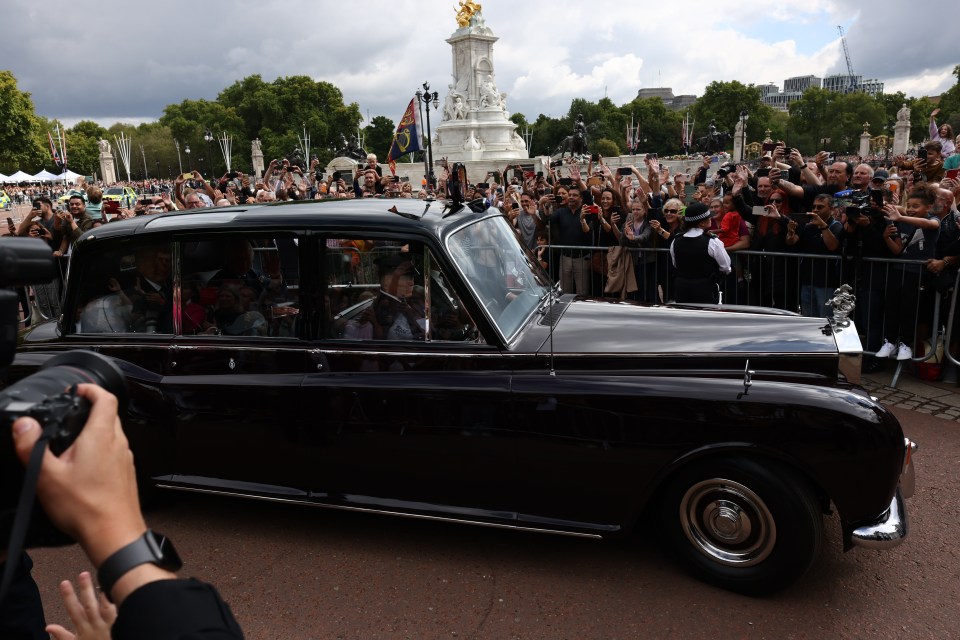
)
(48, 396)
(862, 204)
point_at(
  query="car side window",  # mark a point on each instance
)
(390, 290)
(127, 290)
(241, 285)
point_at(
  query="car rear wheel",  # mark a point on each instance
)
(742, 525)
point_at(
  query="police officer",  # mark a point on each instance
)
(699, 258)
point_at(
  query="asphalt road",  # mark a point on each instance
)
(295, 572)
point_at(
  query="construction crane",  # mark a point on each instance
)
(846, 52)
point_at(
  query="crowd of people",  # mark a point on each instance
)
(783, 232)
(791, 228)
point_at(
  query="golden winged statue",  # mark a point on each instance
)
(466, 11)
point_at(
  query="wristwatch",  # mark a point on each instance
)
(150, 547)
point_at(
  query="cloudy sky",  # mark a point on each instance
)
(110, 60)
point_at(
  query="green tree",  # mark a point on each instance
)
(378, 136)
(83, 153)
(605, 147)
(723, 102)
(21, 135)
(950, 104)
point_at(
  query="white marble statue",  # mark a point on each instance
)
(903, 115)
(255, 148)
(489, 96)
(104, 146)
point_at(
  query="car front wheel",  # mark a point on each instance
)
(742, 525)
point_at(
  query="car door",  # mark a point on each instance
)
(237, 366)
(417, 425)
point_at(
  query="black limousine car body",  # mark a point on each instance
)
(409, 357)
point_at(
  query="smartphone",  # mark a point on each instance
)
(876, 195)
(566, 181)
(953, 173)
(111, 206)
(496, 177)
(404, 178)
(336, 176)
(769, 146)
(396, 179)
(689, 189)
(187, 176)
(594, 157)
(9, 221)
(624, 171)
(558, 198)
(592, 208)
(483, 185)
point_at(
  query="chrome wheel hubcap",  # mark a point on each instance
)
(727, 522)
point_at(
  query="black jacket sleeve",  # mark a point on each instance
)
(175, 609)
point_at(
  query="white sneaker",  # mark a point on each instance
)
(887, 350)
(904, 352)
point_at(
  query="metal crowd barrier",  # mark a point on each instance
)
(801, 283)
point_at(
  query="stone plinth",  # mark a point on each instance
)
(901, 137)
(864, 144)
(108, 168)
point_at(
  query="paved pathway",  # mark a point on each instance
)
(940, 399)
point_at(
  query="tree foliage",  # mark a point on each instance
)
(21, 134)
(278, 112)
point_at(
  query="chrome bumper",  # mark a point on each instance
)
(891, 528)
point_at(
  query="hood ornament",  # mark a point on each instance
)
(843, 303)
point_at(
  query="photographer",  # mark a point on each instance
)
(90, 493)
(819, 235)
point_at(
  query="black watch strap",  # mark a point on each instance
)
(150, 547)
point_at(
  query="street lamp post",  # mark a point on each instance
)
(743, 132)
(179, 162)
(427, 99)
(208, 138)
(186, 150)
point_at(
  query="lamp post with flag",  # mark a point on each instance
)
(406, 139)
(429, 98)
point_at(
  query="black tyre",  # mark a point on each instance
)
(741, 524)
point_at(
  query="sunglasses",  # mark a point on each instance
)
(776, 199)
(671, 210)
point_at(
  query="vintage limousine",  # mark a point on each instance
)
(409, 357)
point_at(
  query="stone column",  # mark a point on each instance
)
(108, 170)
(865, 141)
(256, 157)
(738, 141)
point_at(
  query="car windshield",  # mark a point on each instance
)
(114, 192)
(503, 277)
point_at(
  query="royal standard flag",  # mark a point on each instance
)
(407, 137)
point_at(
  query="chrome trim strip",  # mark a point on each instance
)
(888, 531)
(511, 527)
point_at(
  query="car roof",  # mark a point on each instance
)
(377, 215)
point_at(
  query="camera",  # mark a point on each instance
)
(862, 204)
(48, 395)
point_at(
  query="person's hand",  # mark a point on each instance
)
(92, 614)
(933, 114)
(891, 212)
(706, 161)
(816, 220)
(795, 158)
(935, 265)
(919, 165)
(90, 491)
(821, 158)
(196, 174)
(792, 227)
(11, 228)
(615, 218)
(113, 286)
(655, 225)
(889, 231)
(778, 153)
